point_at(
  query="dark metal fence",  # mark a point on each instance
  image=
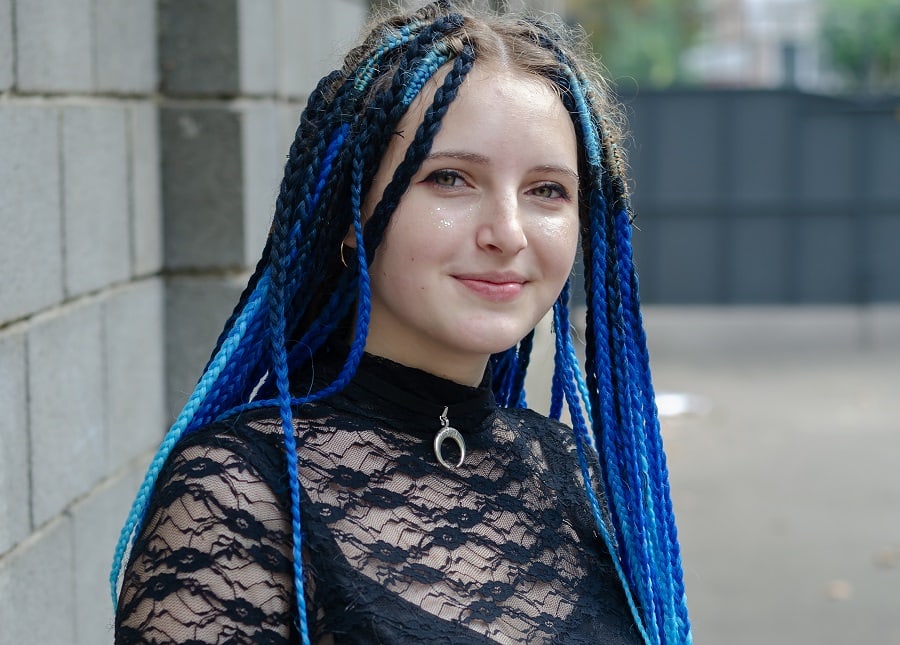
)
(757, 197)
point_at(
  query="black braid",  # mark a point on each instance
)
(418, 149)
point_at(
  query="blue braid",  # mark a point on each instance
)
(556, 392)
(351, 363)
(207, 381)
(430, 64)
(368, 70)
(667, 533)
(501, 364)
(601, 388)
(580, 431)
(199, 410)
(281, 239)
(418, 149)
(637, 480)
(387, 110)
(330, 154)
(234, 380)
(303, 130)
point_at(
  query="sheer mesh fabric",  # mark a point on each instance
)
(397, 548)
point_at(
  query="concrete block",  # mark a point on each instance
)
(202, 180)
(346, 18)
(263, 151)
(95, 189)
(304, 50)
(96, 522)
(37, 587)
(196, 311)
(30, 220)
(66, 407)
(146, 207)
(133, 331)
(125, 45)
(314, 38)
(6, 46)
(14, 490)
(257, 46)
(53, 46)
(198, 42)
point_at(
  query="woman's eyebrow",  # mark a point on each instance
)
(563, 170)
(459, 155)
(474, 157)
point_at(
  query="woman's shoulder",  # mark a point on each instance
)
(262, 424)
(550, 432)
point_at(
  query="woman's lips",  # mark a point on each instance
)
(499, 287)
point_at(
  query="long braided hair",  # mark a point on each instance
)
(300, 295)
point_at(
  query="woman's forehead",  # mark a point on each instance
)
(483, 79)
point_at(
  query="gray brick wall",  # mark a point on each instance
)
(95, 197)
(141, 144)
(54, 40)
(30, 217)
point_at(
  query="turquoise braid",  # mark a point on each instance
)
(564, 375)
(640, 507)
(207, 381)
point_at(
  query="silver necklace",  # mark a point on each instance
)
(448, 432)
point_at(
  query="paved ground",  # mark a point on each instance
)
(787, 484)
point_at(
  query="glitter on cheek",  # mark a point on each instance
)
(441, 219)
(553, 226)
(445, 218)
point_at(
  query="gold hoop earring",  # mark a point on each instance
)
(343, 261)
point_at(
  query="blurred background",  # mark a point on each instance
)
(141, 144)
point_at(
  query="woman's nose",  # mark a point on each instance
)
(500, 228)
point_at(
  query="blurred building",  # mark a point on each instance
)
(759, 43)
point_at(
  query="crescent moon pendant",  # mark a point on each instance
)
(452, 434)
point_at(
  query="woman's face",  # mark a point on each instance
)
(484, 238)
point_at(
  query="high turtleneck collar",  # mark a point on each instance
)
(411, 396)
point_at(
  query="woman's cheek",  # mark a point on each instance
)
(560, 232)
(452, 214)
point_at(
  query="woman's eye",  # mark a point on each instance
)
(550, 191)
(444, 178)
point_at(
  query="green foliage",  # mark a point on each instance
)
(641, 39)
(862, 41)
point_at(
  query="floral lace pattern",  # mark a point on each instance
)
(397, 548)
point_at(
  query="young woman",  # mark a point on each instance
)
(357, 464)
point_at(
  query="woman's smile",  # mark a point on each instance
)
(497, 287)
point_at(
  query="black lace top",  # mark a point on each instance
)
(398, 549)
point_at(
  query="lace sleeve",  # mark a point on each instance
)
(212, 563)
